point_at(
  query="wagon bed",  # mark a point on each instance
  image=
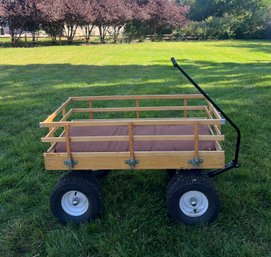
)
(190, 139)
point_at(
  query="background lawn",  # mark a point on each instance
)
(134, 221)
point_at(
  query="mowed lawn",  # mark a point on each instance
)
(134, 221)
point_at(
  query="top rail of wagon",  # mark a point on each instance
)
(136, 122)
(137, 97)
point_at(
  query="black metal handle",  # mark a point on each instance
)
(234, 162)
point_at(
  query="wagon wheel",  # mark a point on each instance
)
(77, 197)
(192, 199)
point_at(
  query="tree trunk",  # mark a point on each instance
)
(102, 30)
(53, 39)
(71, 33)
(88, 30)
(12, 35)
(33, 37)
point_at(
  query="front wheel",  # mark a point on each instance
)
(76, 198)
(193, 199)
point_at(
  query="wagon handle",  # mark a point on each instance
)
(234, 162)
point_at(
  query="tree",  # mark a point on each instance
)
(21, 15)
(125, 14)
(32, 18)
(158, 17)
(166, 13)
(52, 16)
(87, 19)
(14, 14)
(75, 13)
(103, 14)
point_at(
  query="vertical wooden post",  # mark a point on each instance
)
(91, 113)
(137, 105)
(64, 112)
(196, 139)
(131, 141)
(68, 141)
(185, 104)
(50, 129)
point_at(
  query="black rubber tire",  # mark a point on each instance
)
(180, 173)
(191, 181)
(84, 183)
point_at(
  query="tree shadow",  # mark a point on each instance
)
(58, 81)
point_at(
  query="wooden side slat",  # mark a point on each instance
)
(57, 111)
(67, 115)
(54, 129)
(136, 138)
(52, 147)
(185, 103)
(131, 141)
(64, 111)
(196, 139)
(217, 145)
(90, 113)
(140, 109)
(68, 141)
(209, 115)
(140, 97)
(214, 111)
(137, 106)
(136, 122)
(147, 160)
(217, 129)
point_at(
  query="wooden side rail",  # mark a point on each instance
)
(62, 109)
(136, 138)
(139, 97)
(136, 122)
(140, 109)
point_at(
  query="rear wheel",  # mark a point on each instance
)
(192, 199)
(77, 197)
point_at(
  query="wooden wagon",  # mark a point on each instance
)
(82, 139)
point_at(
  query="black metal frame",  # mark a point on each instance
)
(234, 162)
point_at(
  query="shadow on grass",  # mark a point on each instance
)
(46, 81)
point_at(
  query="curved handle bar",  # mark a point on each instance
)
(234, 162)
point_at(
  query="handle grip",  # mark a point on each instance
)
(174, 62)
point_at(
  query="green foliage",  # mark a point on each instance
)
(140, 30)
(222, 19)
(212, 28)
(134, 221)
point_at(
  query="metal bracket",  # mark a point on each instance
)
(70, 163)
(195, 162)
(132, 163)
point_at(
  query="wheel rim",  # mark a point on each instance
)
(74, 203)
(193, 203)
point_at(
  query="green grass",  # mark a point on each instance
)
(134, 221)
